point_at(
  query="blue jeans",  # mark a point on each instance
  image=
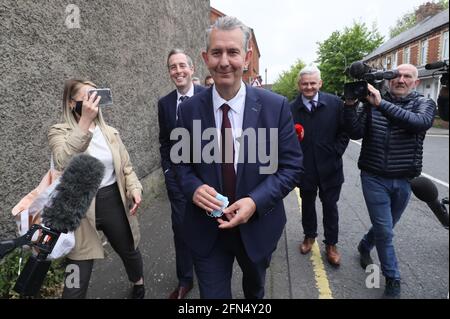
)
(386, 200)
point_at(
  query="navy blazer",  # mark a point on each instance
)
(167, 118)
(325, 141)
(263, 109)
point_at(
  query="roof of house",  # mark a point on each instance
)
(423, 27)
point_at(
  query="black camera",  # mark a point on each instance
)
(441, 68)
(366, 74)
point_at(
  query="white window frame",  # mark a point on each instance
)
(406, 55)
(444, 50)
(385, 62)
(394, 61)
(423, 52)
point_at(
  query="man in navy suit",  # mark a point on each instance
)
(324, 143)
(246, 121)
(181, 69)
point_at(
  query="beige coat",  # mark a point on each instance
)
(65, 142)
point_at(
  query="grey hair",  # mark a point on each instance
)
(228, 23)
(413, 67)
(308, 70)
(180, 51)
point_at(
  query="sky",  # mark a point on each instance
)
(288, 30)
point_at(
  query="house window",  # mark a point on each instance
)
(423, 52)
(445, 46)
(406, 55)
(385, 63)
(395, 60)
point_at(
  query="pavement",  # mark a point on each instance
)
(437, 131)
(421, 242)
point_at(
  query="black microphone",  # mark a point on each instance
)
(68, 205)
(358, 69)
(435, 65)
(426, 191)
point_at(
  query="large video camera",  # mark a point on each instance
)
(31, 278)
(441, 68)
(366, 74)
(67, 205)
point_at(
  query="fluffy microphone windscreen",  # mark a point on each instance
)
(424, 189)
(78, 186)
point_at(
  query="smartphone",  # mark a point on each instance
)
(105, 94)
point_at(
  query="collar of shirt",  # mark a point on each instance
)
(189, 93)
(306, 101)
(236, 104)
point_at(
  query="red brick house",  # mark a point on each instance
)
(427, 42)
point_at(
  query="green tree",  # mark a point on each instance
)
(409, 20)
(343, 48)
(286, 84)
(404, 23)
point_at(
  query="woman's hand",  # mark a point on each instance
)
(137, 199)
(89, 111)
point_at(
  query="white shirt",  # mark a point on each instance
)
(307, 102)
(189, 93)
(99, 149)
(236, 116)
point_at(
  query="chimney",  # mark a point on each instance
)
(428, 9)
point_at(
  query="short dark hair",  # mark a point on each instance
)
(180, 51)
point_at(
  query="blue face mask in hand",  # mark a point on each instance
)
(78, 108)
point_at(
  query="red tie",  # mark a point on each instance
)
(228, 173)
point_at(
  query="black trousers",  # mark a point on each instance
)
(184, 263)
(329, 198)
(112, 220)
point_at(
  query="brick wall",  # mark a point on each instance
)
(414, 51)
(434, 49)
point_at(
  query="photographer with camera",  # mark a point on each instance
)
(393, 128)
(441, 68)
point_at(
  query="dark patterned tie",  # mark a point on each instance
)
(181, 99)
(228, 173)
(313, 105)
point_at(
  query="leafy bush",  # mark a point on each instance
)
(9, 269)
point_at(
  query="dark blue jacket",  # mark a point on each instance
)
(392, 134)
(324, 143)
(263, 109)
(167, 118)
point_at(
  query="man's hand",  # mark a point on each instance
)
(205, 198)
(351, 102)
(374, 96)
(238, 213)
